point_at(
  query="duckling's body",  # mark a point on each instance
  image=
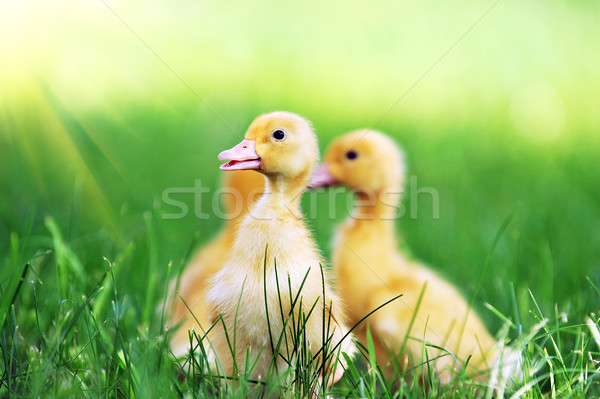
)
(371, 270)
(252, 294)
(443, 317)
(240, 189)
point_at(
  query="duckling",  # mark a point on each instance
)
(240, 189)
(274, 262)
(370, 269)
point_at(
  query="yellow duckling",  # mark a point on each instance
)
(371, 270)
(274, 262)
(240, 189)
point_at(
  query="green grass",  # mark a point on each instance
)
(81, 279)
(93, 129)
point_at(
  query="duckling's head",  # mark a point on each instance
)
(364, 160)
(276, 144)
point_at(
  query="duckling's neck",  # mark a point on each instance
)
(381, 207)
(282, 196)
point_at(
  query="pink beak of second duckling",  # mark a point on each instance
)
(322, 177)
(241, 157)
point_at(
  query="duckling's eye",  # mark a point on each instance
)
(351, 155)
(278, 134)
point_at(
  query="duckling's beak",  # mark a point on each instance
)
(242, 157)
(322, 177)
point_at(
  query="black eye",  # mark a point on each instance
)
(351, 155)
(278, 134)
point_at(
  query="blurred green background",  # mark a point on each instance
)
(105, 104)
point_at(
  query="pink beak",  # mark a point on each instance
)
(322, 177)
(242, 157)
